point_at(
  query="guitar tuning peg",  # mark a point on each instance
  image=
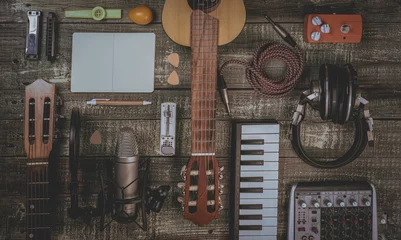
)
(181, 185)
(220, 204)
(221, 168)
(184, 172)
(221, 186)
(181, 200)
(221, 176)
(220, 191)
(59, 101)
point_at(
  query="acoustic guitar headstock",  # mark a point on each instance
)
(39, 120)
(201, 189)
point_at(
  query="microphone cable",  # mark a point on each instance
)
(258, 78)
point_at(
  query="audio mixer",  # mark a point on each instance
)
(332, 211)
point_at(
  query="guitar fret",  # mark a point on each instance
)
(38, 198)
(38, 214)
(37, 183)
(38, 228)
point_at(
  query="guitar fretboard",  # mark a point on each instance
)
(37, 202)
(204, 43)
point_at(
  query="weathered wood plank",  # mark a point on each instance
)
(384, 104)
(169, 224)
(288, 11)
(320, 139)
(378, 64)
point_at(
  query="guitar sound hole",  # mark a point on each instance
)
(204, 5)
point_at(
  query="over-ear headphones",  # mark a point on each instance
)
(336, 95)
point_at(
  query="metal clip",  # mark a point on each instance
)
(298, 114)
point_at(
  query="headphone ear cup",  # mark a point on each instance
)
(342, 95)
(333, 75)
(323, 91)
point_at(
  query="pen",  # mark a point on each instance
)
(109, 102)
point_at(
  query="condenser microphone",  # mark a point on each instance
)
(126, 176)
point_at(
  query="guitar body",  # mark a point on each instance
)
(176, 19)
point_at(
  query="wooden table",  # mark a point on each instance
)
(377, 60)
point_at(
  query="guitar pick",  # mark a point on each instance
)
(173, 79)
(96, 138)
(174, 59)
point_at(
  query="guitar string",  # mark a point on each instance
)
(31, 137)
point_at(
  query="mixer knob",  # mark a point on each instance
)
(345, 28)
(328, 203)
(353, 202)
(315, 36)
(311, 238)
(302, 203)
(325, 28)
(315, 230)
(317, 21)
(315, 203)
(340, 202)
(366, 202)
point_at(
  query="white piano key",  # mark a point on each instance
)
(267, 203)
(268, 184)
(265, 222)
(265, 231)
(267, 128)
(265, 212)
(267, 138)
(269, 147)
(264, 237)
(264, 194)
(268, 156)
(266, 166)
(265, 174)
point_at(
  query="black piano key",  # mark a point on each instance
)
(251, 227)
(251, 179)
(251, 206)
(250, 217)
(252, 152)
(252, 142)
(251, 190)
(256, 162)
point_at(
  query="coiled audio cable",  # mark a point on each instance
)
(265, 52)
(255, 71)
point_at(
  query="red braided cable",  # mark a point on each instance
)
(257, 77)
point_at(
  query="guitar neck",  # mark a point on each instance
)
(204, 43)
(37, 202)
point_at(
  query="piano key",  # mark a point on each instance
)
(267, 138)
(251, 190)
(266, 212)
(270, 157)
(263, 231)
(251, 206)
(264, 194)
(266, 166)
(266, 203)
(251, 227)
(264, 237)
(250, 217)
(269, 147)
(258, 129)
(252, 142)
(251, 179)
(265, 222)
(252, 152)
(268, 184)
(254, 162)
(265, 174)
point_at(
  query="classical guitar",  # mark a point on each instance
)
(38, 141)
(203, 25)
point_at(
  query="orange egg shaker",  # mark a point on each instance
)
(333, 28)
